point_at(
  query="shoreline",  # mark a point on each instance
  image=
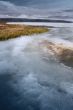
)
(59, 47)
(44, 24)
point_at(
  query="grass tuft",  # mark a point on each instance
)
(8, 31)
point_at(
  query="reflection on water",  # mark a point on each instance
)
(31, 79)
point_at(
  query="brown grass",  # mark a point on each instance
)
(67, 57)
(8, 31)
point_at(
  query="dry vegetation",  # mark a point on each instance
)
(66, 57)
(8, 31)
(62, 53)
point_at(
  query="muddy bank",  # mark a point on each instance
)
(60, 51)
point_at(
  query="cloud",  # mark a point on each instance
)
(33, 8)
(7, 8)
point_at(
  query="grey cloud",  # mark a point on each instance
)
(49, 8)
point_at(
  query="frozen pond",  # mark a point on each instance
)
(31, 79)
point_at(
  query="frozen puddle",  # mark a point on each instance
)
(33, 79)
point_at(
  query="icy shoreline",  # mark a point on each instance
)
(29, 72)
(44, 24)
(56, 40)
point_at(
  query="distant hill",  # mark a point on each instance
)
(32, 20)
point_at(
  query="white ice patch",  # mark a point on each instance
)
(62, 42)
(44, 24)
(20, 44)
(67, 87)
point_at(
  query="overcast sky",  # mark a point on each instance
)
(18, 7)
(43, 3)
